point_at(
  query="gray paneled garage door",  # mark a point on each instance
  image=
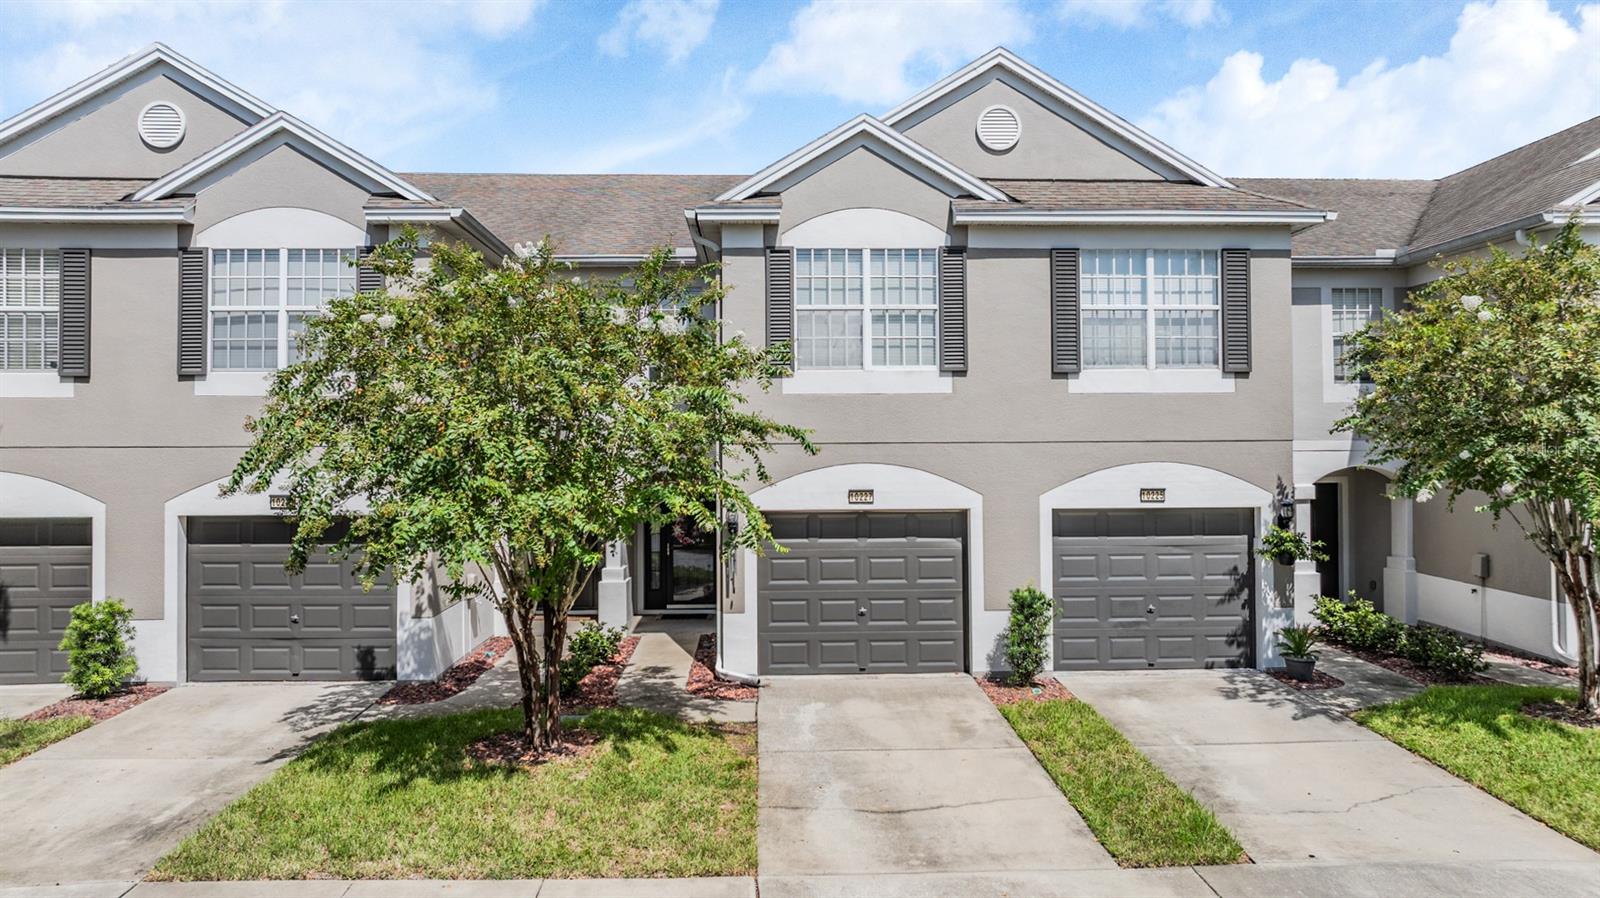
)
(863, 592)
(249, 619)
(1140, 589)
(44, 570)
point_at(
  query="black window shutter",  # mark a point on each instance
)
(1236, 311)
(953, 308)
(72, 335)
(1066, 327)
(192, 311)
(780, 299)
(368, 279)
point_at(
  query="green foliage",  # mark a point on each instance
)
(20, 738)
(1442, 652)
(591, 645)
(1027, 635)
(99, 661)
(1291, 544)
(1298, 641)
(1358, 625)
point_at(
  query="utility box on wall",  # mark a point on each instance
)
(1478, 567)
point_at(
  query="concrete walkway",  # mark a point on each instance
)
(657, 675)
(871, 776)
(16, 701)
(107, 803)
(1297, 781)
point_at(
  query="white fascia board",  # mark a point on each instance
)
(436, 214)
(1539, 221)
(1345, 261)
(271, 126)
(680, 254)
(75, 215)
(1105, 118)
(863, 124)
(1583, 197)
(120, 71)
(752, 215)
(1139, 217)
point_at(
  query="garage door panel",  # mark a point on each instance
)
(218, 575)
(889, 571)
(838, 570)
(937, 570)
(787, 571)
(45, 570)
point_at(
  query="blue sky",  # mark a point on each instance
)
(1311, 88)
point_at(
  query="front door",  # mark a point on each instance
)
(680, 567)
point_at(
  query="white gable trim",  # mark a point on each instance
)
(101, 214)
(1054, 90)
(125, 68)
(267, 128)
(1585, 196)
(901, 145)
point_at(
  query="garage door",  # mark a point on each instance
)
(44, 571)
(1162, 589)
(248, 619)
(863, 593)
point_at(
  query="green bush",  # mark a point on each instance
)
(1358, 625)
(586, 647)
(1442, 652)
(1298, 641)
(99, 661)
(1027, 635)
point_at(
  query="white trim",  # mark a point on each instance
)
(1002, 146)
(1333, 391)
(271, 126)
(183, 125)
(680, 254)
(751, 215)
(35, 385)
(1583, 197)
(863, 227)
(1138, 217)
(896, 488)
(813, 381)
(120, 71)
(456, 215)
(1002, 58)
(863, 125)
(1187, 486)
(230, 383)
(76, 214)
(1151, 380)
(24, 496)
(1389, 261)
(278, 226)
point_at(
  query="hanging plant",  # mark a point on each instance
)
(1286, 546)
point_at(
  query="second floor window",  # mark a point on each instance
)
(1150, 308)
(1353, 309)
(30, 309)
(866, 308)
(261, 298)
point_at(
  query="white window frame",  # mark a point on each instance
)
(44, 288)
(867, 308)
(1150, 307)
(1372, 294)
(283, 308)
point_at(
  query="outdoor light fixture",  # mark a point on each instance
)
(1285, 511)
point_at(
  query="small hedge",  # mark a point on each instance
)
(1027, 635)
(588, 646)
(1356, 624)
(99, 662)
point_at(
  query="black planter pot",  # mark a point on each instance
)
(1300, 668)
(1284, 558)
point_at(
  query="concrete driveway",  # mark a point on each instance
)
(873, 775)
(1299, 782)
(106, 804)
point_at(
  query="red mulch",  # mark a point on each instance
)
(1563, 713)
(1319, 680)
(598, 688)
(461, 674)
(509, 749)
(98, 709)
(1044, 689)
(703, 679)
(1415, 672)
(1528, 661)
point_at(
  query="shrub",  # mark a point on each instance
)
(1358, 624)
(591, 645)
(1027, 636)
(1442, 651)
(99, 662)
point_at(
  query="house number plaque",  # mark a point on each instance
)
(860, 497)
(1153, 494)
(278, 501)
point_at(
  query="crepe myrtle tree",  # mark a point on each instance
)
(508, 421)
(1489, 385)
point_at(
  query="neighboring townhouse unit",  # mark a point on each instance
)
(1034, 344)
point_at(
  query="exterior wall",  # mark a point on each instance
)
(1366, 523)
(863, 179)
(1447, 540)
(100, 138)
(277, 175)
(1049, 146)
(1318, 401)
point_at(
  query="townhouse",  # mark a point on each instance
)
(1034, 344)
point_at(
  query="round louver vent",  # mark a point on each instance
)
(161, 125)
(999, 128)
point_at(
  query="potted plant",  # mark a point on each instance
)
(1297, 644)
(1286, 546)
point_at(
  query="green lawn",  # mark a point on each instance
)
(1139, 815)
(399, 799)
(20, 738)
(1549, 770)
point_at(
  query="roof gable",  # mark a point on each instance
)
(1093, 118)
(864, 130)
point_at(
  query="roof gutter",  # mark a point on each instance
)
(1294, 219)
(434, 214)
(93, 215)
(737, 215)
(1539, 221)
(680, 255)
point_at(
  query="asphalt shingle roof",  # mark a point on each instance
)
(1156, 195)
(1372, 214)
(70, 192)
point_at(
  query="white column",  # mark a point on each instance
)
(1400, 573)
(615, 591)
(1307, 583)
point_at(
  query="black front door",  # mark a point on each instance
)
(1325, 527)
(680, 567)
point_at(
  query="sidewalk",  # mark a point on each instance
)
(657, 676)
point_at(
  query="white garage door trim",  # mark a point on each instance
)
(22, 496)
(1187, 486)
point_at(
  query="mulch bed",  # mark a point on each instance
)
(98, 709)
(1044, 689)
(1530, 662)
(1415, 672)
(1563, 713)
(598, 688)
(1319, 680)
(461, 674)
(509, 749)
(703, 679)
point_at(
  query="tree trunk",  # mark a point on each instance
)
(1576, 578)
(517, 625)
(555, 638)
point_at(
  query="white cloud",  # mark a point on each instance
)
(1137, 13)
(378, 76)
(882, 52)
(1514, 71)
(712, 117)
(674, 26)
